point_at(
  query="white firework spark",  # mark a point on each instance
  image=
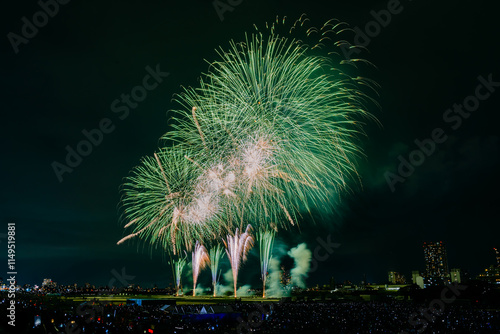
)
(237, 248)
(199, 261)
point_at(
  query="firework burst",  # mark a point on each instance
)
(166, 203)
(271, 131)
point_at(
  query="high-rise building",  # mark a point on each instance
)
(492, 274)
(436, 263)
(396, 278)
(456, 276)
(416, 277)
(285, 276)
(48, 284)
(332, 283)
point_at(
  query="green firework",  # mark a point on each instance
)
(215, 254)
(271, 131)
(158, 202)
(179, 267)
(266, 241)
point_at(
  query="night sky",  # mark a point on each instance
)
(64, 79)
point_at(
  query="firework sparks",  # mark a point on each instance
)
(215, 255)
(178, 268)
(266, 241)
(237, 248)
(199, 261)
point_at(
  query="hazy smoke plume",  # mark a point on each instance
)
(302, 260)
(274, 287)
(242, 291)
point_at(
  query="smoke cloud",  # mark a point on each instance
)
(242, 291)
(273, 284)
(302, 258)
(274, 288)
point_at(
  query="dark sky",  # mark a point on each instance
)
(65, 78)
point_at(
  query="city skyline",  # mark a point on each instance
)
(116, 276)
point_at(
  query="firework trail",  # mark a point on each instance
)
(215, 255)
(178, 267)
(266, 241)
(199, 261)
(237, 248)
(271, 131)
